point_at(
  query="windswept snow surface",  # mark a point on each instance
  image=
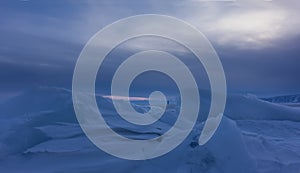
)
(40, 133)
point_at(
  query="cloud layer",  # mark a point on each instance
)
(258, 41)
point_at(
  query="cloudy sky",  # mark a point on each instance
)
(258, 41)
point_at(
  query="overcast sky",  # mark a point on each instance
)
(258, 41)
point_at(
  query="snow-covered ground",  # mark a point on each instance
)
(40, 133)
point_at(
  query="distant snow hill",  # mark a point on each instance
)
(291, 100)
